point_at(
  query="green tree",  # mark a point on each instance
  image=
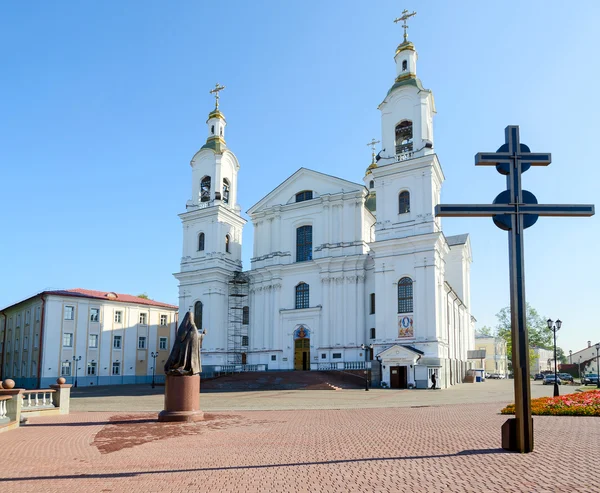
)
(143, 295)
(486, 331)
(537, 328)
(560, 356)
(532, 359)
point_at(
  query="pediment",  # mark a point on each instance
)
(400, 352)
(304, 179)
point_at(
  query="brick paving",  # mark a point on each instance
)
(449, 448)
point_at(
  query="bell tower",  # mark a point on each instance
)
(212, 237)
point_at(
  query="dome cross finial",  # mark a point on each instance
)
(404, 18)
(372, 144)
(215, 91)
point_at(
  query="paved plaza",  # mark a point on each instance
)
(382, 440)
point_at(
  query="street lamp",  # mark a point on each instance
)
(153, 355)
(366, 347)
(579, 370)
(570, 356)
(76, 361)
(554, 327)
(597, 367)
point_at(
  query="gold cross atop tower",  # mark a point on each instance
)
(372, 144)
(215, 91)
(405, 17)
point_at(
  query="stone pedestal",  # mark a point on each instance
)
(182, 399)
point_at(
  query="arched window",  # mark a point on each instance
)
(201, 242)
(205, 189)
(404, 136)
(245, 315)
(372, 184)
(225, 191)
(302, 295)
(198, 314)
(404, 65)
(304, 243)
(404, 202)
(405, 295)
(304, 195)
(212, 129)
(227, 243)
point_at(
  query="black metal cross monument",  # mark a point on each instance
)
(514, 210)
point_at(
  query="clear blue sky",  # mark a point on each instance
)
(103, 104)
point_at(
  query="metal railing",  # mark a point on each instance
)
(34, 400)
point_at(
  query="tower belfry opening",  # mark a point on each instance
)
(237, 330)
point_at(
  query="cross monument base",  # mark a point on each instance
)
(182, 399)
(509, 435)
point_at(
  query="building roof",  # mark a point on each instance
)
(457, 239)
(102, 295)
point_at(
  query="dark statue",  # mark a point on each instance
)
(185, 355)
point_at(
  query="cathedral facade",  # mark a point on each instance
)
(343, 273)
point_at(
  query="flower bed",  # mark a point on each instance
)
(579, 404)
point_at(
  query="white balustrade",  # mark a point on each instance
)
(3, 410)
(37, 399)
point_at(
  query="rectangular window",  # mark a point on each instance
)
(336, 355)
(273, 357)
(372, 304)
(143, 318)
(91, 368)
(162, 344)
(93, 341)
(323, 356)
(244, 340)
(69, 312)
(94, 314)
(372, 333)
(141, 342)
(304, 244)
(245, 315)
(163, 320)
(65, 369)
(116, 342)
(118, 317)
(67, 339)
(27, 317)
(116, 368)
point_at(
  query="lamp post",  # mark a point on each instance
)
(153, 355)
(597, 367)
(570, 356)
(76, 361)
(554, 327)
(366, 347)
(579, 370)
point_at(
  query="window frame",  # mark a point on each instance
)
(304, 195)
(117, 365)
(201, 241)
(164, 320)
(95, 338)
(142, 340)
(405, 295)
(161, 346)
(404, 202)
(245, 341)
(245, 315)
(205, 188)
(302, 295)
(118, 316)
(304, 243)
(143, 318)
(372, 333)
(96, 312)
(72, 312)
(91, 365)
(227, 243)
(65, 365)
(372, 304)
(115, 339)
(226, 191)
(71, 339)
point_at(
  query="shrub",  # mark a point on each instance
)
(578, 404)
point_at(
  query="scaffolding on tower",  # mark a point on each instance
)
(237, 331)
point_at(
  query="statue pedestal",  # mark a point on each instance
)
(182, 399)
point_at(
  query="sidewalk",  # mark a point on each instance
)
(452, 448)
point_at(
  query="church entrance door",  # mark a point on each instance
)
(398, 377)
(302, 354)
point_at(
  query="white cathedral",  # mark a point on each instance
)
(342, 273)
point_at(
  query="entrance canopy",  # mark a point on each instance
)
(400, 355)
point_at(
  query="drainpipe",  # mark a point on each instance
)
(41, 344)
(3, 347)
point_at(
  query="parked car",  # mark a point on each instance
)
(496, 376)
(590, 379)
(565, 377)
(549, 380)
(538, 376)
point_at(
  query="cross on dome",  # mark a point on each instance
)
(215, 91)
(404, 18)
(372, 145)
